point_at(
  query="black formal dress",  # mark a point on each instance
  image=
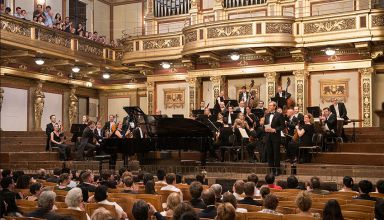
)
(273, 140)
(64, 150)
(306, 140)
(48, 131)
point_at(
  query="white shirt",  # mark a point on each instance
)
(271, 117)
(337, 110)
(99, 132)
(174, 189)
(257, 192)
(241, 210)
(118, 208)
(229, 119)
(72, 184)
(237, 196)
(244, 96)
(79, 209)
(242, 109)
(280, 94)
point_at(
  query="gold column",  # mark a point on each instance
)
(366, 75)
(219, 10)
(73, 106)
(151, 98)
(194, 88)
(38, 105)
(193, 12)
(301, 86)
(271, 79)
(218, 84)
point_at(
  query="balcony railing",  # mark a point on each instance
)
(25, 33)
(241, 3)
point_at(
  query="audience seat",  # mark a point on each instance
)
(26, 210)
(126, 204)
(341, 201)
(345, 194)
(61, 205)
(318, 205)
(291, 191)
(49, 184)
(91, 207)
(164, 195)
(250, 208)
(61, 192)
(358, 208)
(75, 214)
(287, 204)
(298, 217)
(20, 218)
(286, 210)
(155, 200)
(377, 195)
(352, 215)
(361, 202)
(26, 203)
(261, 216)
(60, 198)
(24, 192)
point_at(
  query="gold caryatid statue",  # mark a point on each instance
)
(73, 102)
(38, 105)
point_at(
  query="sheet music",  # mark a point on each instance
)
(243, 133)
(268, 126)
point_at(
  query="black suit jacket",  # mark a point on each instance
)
(342, 110)
(53, 179)
(85, 189)
(277, 123)
(241, 96)
(284, 94)
(331, 122)
(87, 136)
(49, 130)
(209, 212)
(99, 137)
(250, 201)
(9, 198)
(107, 126)
(44, 214)
(198, 203)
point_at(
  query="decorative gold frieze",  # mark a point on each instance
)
(328, 26)
(73, 103)
(119, 55)
(190, 36)
(161, 43)
(90, 48)
(174, 98)
(378, 20)
(301, 77)
(278, 28)
(230, 31)
(129, 47)
(38, 104)
(15, 27)
(53, 37)
(366, 75)
(271, 78)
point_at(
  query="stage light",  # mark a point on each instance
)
(88, 84)
(235, 56)
(39, 61)
(330, 51)
(165, 65)
(75, 69)
(106, 75)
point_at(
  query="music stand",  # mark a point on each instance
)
(197, 112)
(314, 111)
(177, 116)
(232, 102)
(77, 131)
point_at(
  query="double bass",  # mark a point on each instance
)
(290, 101)
(251, 96)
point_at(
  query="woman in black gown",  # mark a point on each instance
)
(305, 133)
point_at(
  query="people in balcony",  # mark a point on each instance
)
(48, 14)
(38, 12)
(18, 12)
(58, 20)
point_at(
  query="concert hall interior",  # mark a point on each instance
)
(223, 90)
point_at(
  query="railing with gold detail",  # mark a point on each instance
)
(27, 34)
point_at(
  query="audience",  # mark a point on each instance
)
(201, 178)
(270, 205)
(229, 197)
(150, 187)
(56, 176)
(208, 197)
(264, 191)
(225, 211)
(314, 187)
(365, 187)
(144, 211)
(108, 179)
(332, 211)
(170, 178)
(161, 176)
(182, 209)
(238, 189)
(347, 184)
(195, 189)
(380, 186)
(74, 200)
(86, 185)
(46, 202)
(101, 198)
(129, 186)
(249, 190)
(218, 190)
(254, 178)
(379, 210)
(173, 201)
(64, 182)
(35, 190)
(304, 203)
(292, 182)
(9, 197)
(270, 180)
(24, 181)
(101, 214)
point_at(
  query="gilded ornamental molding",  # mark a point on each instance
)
(366, 75)
(301, 77)
(330, 25)
(54, 38)
(278, 28)
(377, 20)
(90, 48)
(15, 27)
(190, 36)
(230, 31)
(161, 43)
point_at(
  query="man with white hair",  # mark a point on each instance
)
(46, 202)
(218, 190)
(74, 200)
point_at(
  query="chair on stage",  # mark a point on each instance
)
(233, 148)
(317, 141)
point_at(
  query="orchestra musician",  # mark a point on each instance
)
(109, 123)
(230, 115)
(260, 105)
(223, 109)
(338, 108)
(85, 119)
(305, 133)
(290, 145)
(250, 117)
(299, 116)
(256, 142)
(243, 95)
(220, 120)
(223, 137)
(283, 96)
(57, 140)
(329, 123)
(86, 142)
(241, 107)
(220, 99)
(275, 122)
(120, 133)
(49, 130)
(99, 132)
(202, 105)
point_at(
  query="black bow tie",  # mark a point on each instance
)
(272, 113)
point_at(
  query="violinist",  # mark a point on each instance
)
(109, 123)
(223, 137)
(219, 121)
(207, 112)
(223, 109)
(119, 132)
(220, 99)
(250, 117)
(256, 142)
(305, 133)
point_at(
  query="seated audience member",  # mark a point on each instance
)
(41, 174)
(365, 187)
(238, 189)
(226, 211)
(150, 187)
(129, 186)
(292, 182)
(74, 200)
(6, 173)
(57, 140)
(254, 178)
(314, 187)
(347, 184)
(264, 191)
(64, 182)
(24, 181)
(144, 211)
(72, 176)
(173, 201)
(46, 202)
(249, 190)
(229, 197)
(195, 189)
(9, 197)
(147, 177)
(379, 210)
(108, 179)
(200, 178)
(35, 190)
(217, 189)
(101, 214)
(189, 216)
(56, 176)
(304, 203)
(182, 209)
(161, 177)
(17, 174)
(86, 185)
(170, 178)
(332, 211)
(208, 197)
(101, 198)
(380, 186)
(270, 180)
(270, 205)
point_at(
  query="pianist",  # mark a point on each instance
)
(86, 142)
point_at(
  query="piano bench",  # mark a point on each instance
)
(102, 159)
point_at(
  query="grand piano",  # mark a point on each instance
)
(162, 134)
